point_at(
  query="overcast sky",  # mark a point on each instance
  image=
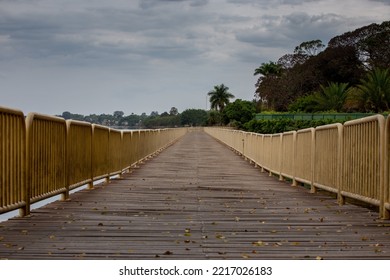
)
(99, 56)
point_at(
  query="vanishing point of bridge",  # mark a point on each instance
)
(196, 199)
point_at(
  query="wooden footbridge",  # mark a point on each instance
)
(196, 199)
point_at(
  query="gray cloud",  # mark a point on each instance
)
(170, 51)
(147, 4)
(383, 1)
(291, 29)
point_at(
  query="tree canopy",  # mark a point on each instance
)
(220, 97)
(310, 68)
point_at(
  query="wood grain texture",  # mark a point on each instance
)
(197, 200)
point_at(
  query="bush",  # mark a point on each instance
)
(283, 125)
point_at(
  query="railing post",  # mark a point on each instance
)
(313, 141)
(340, 157)
(294, 182)
(280, 157)
(386, 176)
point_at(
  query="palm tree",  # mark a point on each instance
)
(219, 97)
(267, 69)
(374, 90)
(331, 97)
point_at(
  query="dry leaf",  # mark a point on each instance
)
(259, 243)
(219, 236)
(168, 253)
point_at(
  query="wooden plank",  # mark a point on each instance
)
(197, 200)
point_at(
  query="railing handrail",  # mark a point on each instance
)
(360, 148)
(42, 156)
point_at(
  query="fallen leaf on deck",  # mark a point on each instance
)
(168, 253)
(259, 243)
(219, 236)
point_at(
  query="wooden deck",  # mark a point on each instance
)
(197, 200)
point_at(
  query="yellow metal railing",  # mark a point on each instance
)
(43, 156)
(327, 157)
(362, 159)
(351, 160)
(79, 154)
(288, 153)
(12, 160)
(46, 157)
(304, 156)
(386, 189)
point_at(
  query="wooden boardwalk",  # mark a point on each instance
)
(197, 200)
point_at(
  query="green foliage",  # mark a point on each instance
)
(239, 112)
(220, 97)
(371, 43)
(331, 97)
(283, 125)
(303, 104)
(267, 69)
(194, 117)
(309, 48)
(345, 61)
(162, 121)
(214, 118)
(374, 90)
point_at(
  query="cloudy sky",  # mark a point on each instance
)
(99, 56)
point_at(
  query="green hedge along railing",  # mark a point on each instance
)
(304, 116)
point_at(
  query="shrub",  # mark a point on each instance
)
(283, 125)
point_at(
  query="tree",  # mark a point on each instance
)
(269, 68)
(118, 114)
(173, 111)
(214, 118)
(291, 77)
(309, 48)
(303, 76)
(239, 112)
(370, 42)
(194, 117)
(374, 90)
(67, 115)
(220, 97)
(331, 97)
